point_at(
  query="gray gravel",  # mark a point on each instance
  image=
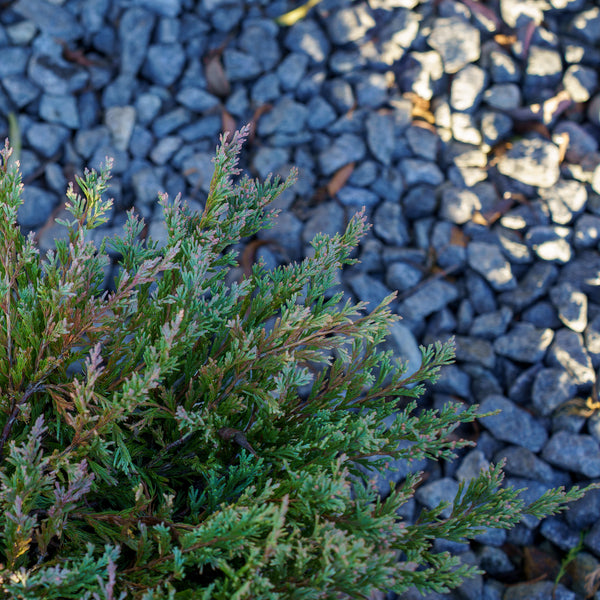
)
(477, 158)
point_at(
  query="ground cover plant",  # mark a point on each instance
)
(183, 436)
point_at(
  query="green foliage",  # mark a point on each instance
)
(184, 436)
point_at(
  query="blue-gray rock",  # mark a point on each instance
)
(287, 116)
(585, 512)
(543, 71)
(227, 18)
(286, 233)
(495, 126)
(524, 343)
(258, 39)
(581, 82)
(586, 24)
(291, 70)
(20, 90)
(522, 462)
(46, 139)
(402, 276)
(568, 351)
(306, 37)
(491, 325)
(339, 93)
(120, 120)
(269, 160)
(571, 304)
(164, 149)
(513, 246)
(320, 113)
(565, 200)
(559, 533)
(119, 91)
(135, 29)
(389, 185)
(207, 127)
(467, 88)
(194, 98)
(582, 272)
(541, 314)
(198, 170)
(529, 491)
(372, 90)
(538, 590)
(420, 201)
(574, 452)
(164, 63)
(503, 96)
(532, 161)
(587, 231)
(146, 185)
(170, 122)
(457, 42)
(592, 539)
(345, 149)
(60, 109)
(592, 340)
(355, 198)
(458, 205)
(480, 293)
(240, 66)
(140, 142)
(472, 465)
(52, 19)
(415, 171)
(423, 142)
(494, 562)
(487, 259)
(433, 494)
(55, 178)
(475, 350)
(503, 68)
(265, 89)
(36, 208)
(368, 289)
(449, 255)
(349, 24)
(311, 85)
(380, 137)
(552, 388)
(14, 60)
(165, 8)
(327, 218)
(364, 174)
(389, 225)
(427, 299)
(533, 285)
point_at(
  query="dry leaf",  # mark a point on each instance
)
(338, 181)
(563, 144)
(539, 565)
(458, 237)
(293, 16)
(248, 257)
(505, 40)
(258, 113)
(228, 124)
(216, 79)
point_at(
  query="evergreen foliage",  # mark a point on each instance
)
(184, 436)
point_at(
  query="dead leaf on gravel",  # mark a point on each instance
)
(458, 237)
(248, 257)
(339, 179)
(293, 16)
(228, 124)
(539, 565)
(563, 144)
(216, 79)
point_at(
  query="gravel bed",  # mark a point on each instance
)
(469, 131)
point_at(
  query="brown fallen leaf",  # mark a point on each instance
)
(563, 140)
(216, 79)
(230, 434)
(539, 565)
(228, 124)
(258, 113)
(458, 237)
(504, 40)
(248, 257)
(339, 179)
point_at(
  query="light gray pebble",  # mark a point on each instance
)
(573, 452)
(458, 205)
(571, 305)
(543, 71)
(60, 109)
(320, 113)
(550, 243)
(513, 246)
(146, 183)
(120, 121)
(467, 88)
(503, 68)
(568, 351)
(581, 82)
(533, 161)
(495, 126)
(456, 40)
(565, 200)
(466, 129)
(487, 259)
(582, 272)
(524, 343)
(512, 424)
